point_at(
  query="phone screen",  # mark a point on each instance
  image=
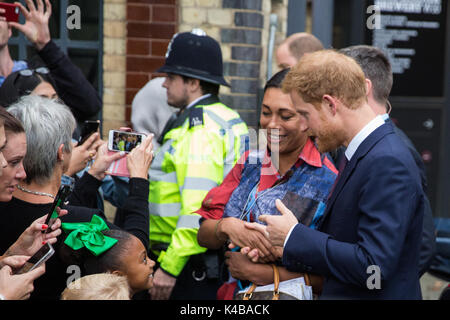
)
(88, 128)
(42, 255)
(124, 141)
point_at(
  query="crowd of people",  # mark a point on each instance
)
(336, 189)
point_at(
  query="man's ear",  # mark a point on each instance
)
(369, 87)
(329, 103)
(194, 84)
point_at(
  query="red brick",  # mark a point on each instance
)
(150, 30)
(157, 75)
(136, 80)
(143, 64)
(128, 113)
(164, 14)
(138, 47)
(159, 48)
(130, 94)
(138, 12)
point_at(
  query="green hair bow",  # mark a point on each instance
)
(89, 235)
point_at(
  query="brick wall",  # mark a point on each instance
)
(239, 27)
(246, 65)
(150, 26)
(146, 27)
(114, 64)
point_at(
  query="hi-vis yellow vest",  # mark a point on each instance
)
(195, 156)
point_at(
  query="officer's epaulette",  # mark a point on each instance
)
(195, 117)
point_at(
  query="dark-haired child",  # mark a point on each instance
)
(97, 249)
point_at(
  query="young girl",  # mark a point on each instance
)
(97, 249)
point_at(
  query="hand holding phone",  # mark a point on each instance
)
(140, 159)
(89, 127)
(61, 196)
(10, 11)
(103, 161)
(124, 141)
(35, 28)
(38, 259)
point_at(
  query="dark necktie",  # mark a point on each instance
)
(342, 163)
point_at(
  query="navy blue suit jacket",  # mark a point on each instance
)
(373, 217)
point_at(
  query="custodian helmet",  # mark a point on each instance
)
(196, 55)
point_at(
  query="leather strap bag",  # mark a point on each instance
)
(250, 294)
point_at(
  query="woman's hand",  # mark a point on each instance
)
(103, 161)
(254, 255)
(140, 159)
(83, 154)
(32, 239)
(15, 262)
(239, 265)
(18, 287)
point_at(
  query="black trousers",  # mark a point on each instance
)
(195, 282)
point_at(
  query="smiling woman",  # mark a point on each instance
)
(285, 128)
(14, 153)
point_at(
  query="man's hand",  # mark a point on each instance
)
(36, 28)
(162, 285)
(242, 237)
(277, 226)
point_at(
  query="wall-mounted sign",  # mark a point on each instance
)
(412, 34)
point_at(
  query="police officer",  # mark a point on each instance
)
(199, 146)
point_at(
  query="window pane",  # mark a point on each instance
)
(54, 23)
(89, 16)
(87, 61)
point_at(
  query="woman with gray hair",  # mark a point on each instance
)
(48, 126)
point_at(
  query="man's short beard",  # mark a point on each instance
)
(177, 104)
(328, 138)
(180, 103)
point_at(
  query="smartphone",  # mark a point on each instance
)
(88, 128)
(60, 198)
(39, 258)
(124, 141)
(11, 11)
(118, 167)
